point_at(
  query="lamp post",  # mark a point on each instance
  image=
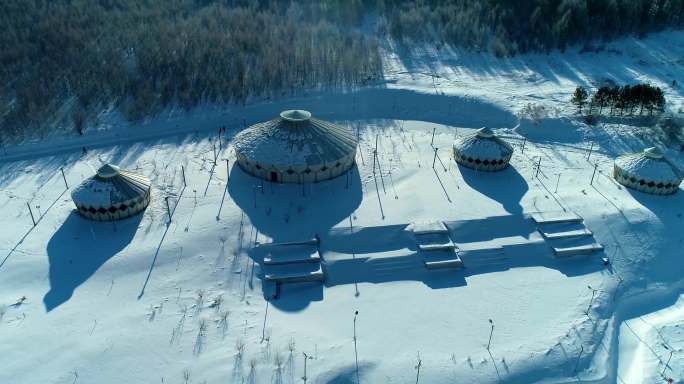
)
(356, 352)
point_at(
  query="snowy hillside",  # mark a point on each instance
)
(148, 299)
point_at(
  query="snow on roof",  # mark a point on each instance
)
(110, 186)
(483, 144)
(650, 164)
(295, 139)
(427, 226)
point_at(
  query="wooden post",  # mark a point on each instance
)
(593, 174)
(590, 150)
(168, 209)
(668, 361)
(375, 152)
(591, 301)
(491, 332)
(306, 357)
(227, 171)
(263, 328)
(64, 177)
(382, 178)
(433, 136)
(578, 358)
(420, 363)
(31, 212)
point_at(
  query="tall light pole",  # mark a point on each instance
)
(356, 352)
(491, 332)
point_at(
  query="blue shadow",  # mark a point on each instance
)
(78, 249)
(506, 186)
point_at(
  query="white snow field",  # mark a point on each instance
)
(148, 300)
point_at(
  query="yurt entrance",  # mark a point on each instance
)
(274, 177)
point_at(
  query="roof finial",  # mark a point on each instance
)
(107, 171)
(484, 132)
(295, 115)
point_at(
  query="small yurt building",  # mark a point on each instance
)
(648, 171)
(295, 148)
(112, 194)
(483, 151)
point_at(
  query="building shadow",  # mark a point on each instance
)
(291, 213)
(295, 212)
(668, 208)
(386, 254)
(506, 186)
(79, 248)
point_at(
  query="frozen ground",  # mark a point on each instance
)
(145, 300)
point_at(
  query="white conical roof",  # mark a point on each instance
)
(483, 145)
(649, 165)
(110, 186)
(295, 139)
(295, 115)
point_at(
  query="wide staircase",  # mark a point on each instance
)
(293, 262)
(435, 246)
(566, 233)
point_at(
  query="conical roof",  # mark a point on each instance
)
(111, 186)
(483, 145)
(649, 165)
(295, 139)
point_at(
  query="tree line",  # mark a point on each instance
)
(73, 58)
(626, 99)
(509, 27)
(62, 61)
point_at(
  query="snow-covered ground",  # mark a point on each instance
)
(145, 300)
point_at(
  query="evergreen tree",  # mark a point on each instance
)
(579, 98)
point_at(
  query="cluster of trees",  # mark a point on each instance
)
(74, 57)
(627, 99)
(509, 27)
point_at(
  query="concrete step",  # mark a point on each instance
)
(441, 259)
(312, 242)
(556, 217)
(452, 263)
(292, 258)
(573, 233)
(427, 227)
(436, 247)
(295, 275)
(577, 250)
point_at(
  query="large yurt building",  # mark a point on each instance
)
(295, 148)
(112, 194)
(648, 171)
(483, 151)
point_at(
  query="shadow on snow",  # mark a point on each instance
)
(78, 249)
(506, 186)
